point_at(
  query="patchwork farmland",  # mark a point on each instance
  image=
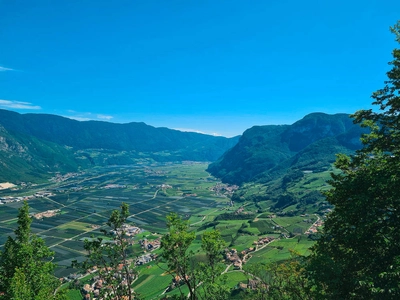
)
(76, 207)
(84, 203)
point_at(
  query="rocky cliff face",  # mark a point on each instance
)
(314, 127)
(8, 144)
(25, 158)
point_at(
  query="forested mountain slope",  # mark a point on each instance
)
(35, 144)
(27, 158)
(267, 152)
(123, 137)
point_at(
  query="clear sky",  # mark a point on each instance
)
(215, 66)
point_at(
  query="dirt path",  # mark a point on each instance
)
(204, 218)
(313, 224)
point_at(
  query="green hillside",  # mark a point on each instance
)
(138, 137)
(26, 158)
(265, 153)
(32, 146)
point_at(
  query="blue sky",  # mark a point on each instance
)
(217, 67)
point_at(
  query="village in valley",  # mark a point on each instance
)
(75, 206)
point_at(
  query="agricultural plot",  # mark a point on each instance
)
(244, 241)
(153, 283)
(235, 277)
(51, 240)
(295, 225)
(85, 203)
(152, 191)
(74, 295)
(263, 225)
(80, 226)
(8, 211)
(64, 255)
(95, 219)
(281, 250)
(314, 181)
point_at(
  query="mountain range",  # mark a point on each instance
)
(34, 146)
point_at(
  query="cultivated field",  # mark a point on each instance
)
(84, 202)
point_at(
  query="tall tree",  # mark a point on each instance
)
(175, 251)
(358, 255)
(203, 279)
(26, 268)
(111, 258)
(213, 283)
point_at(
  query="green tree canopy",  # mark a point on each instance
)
(26, 268)
(284, 280)
(203, 279)
(358, 255)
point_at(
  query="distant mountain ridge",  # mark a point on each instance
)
(34, 145)
(268, 152)
(136, 136)
(117, 143)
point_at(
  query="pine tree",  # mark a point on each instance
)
(26, 268)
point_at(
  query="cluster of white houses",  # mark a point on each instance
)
(10, 199)
(221, 189)
(263, 240)
(128, 230)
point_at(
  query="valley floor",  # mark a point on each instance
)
(73, 208)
